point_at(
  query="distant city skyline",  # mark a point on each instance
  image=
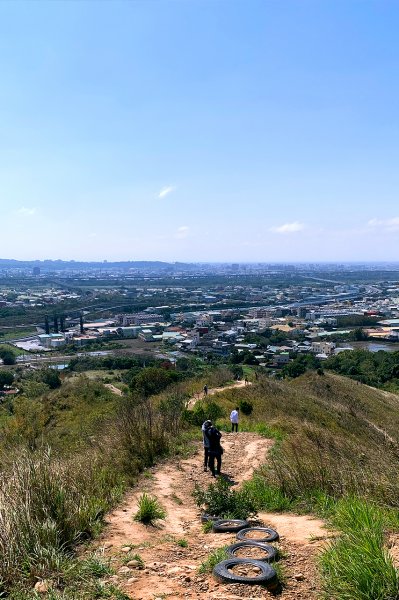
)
(200, 131)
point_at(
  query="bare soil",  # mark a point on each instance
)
(212, 391)
(170, 569)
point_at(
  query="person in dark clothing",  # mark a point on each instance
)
(215, 450)
(205, 390)
(205, 426)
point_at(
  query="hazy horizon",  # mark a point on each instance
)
(200, 132)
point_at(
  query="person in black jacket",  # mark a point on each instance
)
(215, 450)
(205, 426)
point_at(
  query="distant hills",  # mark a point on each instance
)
(62, 265)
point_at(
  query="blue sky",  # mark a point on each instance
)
(199, 130)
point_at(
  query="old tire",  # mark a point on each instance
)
(267, 575)
(229, 525)
(270, 535)
(205, 518)
(265, 553)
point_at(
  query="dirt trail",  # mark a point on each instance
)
(114, 389)
(212, 391)
(171, 571)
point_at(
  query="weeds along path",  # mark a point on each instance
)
(170, 569)
(212, 391)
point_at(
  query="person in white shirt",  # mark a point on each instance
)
(234, 419)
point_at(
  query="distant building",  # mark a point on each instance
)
(327, 348)
(129, 332)
(139, 319)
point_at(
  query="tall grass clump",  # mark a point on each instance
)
(147, 428)
(266, 496)
(46, 507)
(357, 565)
(214, 558)
(149, 510)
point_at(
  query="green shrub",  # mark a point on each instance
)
(246, 407)
(221, 500)
(149, 510)
(203, 410)
(182, 542)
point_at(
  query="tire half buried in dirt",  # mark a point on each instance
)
(269, 534)
(263, 552)
(229, 525)
(267, 575)
(205, 518)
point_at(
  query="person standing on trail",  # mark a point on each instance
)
(205, 426)
(205, 390)
(215, 450)
(234, 419)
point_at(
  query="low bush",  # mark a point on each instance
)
(221, 500)
(246, 407)
(149, 510)
(203, 410)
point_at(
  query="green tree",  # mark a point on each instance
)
(152, 380)
(6, 378)
(50, 377)
(8, 356)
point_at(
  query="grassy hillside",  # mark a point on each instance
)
(336, 453)
(337, 436)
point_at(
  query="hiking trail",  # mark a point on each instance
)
(170, 570)
(200, 395)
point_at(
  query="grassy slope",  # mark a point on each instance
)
(337, 455)
(338, 436)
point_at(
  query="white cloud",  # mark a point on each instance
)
(166, 191)
(288, 228)
(26, 212)
(182, 232)
(385, 224)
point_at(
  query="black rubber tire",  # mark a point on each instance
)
(271, 535)
(268, 575)
(229, 525)
(205, 518)
(269, 552)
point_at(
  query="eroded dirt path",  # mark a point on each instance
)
(171, 570)
(212, 391)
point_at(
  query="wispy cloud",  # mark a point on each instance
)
(165, 191)
(288, 228)
(385, 224)
(182, 232)
(26, 212)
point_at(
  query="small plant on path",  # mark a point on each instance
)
(222, 501)
(214, 557)
(149, 510)
(207, 527)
